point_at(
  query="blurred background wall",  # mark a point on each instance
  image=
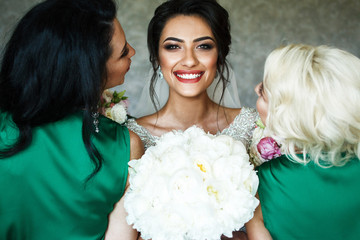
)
(257, 27)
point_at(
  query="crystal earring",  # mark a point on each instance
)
(95, 115)
(160, 74)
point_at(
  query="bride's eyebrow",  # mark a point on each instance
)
(204, 38)
(173, 39)
(195, 40)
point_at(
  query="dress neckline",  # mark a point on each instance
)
(242, 112)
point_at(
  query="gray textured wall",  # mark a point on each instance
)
(258, 26)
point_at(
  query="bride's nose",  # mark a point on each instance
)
(189, 58)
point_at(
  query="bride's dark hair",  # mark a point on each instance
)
(214, 14)
(54, 65)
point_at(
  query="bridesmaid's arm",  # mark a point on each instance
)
(255, 228)
(118, 228)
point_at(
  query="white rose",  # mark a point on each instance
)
(118, 113)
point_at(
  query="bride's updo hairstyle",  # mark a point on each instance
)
(214, 14)
(313, 95)
(54, 65)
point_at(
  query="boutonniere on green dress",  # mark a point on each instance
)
(263, 147)
(114, 105)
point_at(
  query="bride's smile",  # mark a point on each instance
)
(189, 76)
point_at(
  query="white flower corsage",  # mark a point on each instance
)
(263, 147)
(114, 105)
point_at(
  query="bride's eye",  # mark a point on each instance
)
(171, 46)
(206, 46)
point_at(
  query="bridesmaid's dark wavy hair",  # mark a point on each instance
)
(54, 65)
(212, 12)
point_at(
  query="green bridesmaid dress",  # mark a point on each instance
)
(307, 202)
(44, 193)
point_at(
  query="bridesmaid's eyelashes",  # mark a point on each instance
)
(261, 89)
(125, 52)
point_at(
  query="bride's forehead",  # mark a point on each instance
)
(186, 25)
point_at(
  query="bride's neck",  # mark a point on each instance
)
(189, 109)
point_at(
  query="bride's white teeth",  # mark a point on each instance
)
(188, 76)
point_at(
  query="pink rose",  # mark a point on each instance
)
(268, 148)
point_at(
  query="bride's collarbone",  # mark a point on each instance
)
(213, 123)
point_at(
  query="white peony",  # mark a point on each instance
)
(191, 185)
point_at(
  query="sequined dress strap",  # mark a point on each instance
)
(243, 126)
(145, 136)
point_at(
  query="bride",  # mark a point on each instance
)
(188, 43)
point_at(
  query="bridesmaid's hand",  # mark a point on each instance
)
(239, 235)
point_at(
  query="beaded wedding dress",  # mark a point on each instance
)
(240, 129)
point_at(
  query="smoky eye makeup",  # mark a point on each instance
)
(170, 46)
(125, 51)
(261, 90)
(206, 46)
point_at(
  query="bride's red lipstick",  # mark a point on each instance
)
(192, 76)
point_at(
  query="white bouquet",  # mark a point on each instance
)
(191, 185)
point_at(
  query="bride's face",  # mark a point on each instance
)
(188, 55)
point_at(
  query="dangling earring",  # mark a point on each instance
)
(159, 73)
(95, 115)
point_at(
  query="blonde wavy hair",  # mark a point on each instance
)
(314, 96)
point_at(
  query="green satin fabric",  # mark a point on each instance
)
(43, 195)
(309, 202)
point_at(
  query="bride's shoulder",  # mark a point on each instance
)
(148, 121)
(232, 113)
(241, 113)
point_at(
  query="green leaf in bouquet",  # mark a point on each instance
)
(116, 99)
(121, 94)
(118, 96)
(260, 123)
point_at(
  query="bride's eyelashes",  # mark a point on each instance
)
(206, 46)
(203, 46)
(171, 46)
